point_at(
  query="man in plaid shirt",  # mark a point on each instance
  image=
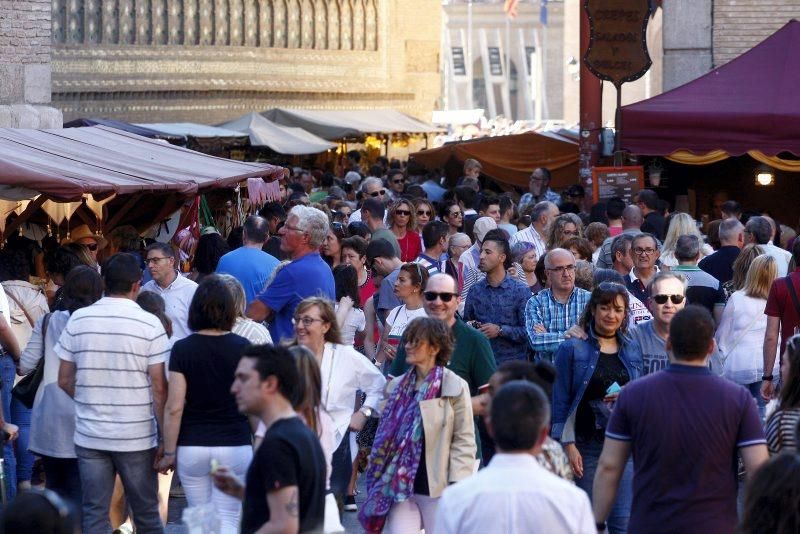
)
(551, 312)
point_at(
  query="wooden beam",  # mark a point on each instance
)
(23, 217)
(90, 221)
(124, 209)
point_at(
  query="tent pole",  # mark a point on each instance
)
(122, 211)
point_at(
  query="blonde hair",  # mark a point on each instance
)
(555, 237)
(412, 219)
(762, 272)
(680, 224)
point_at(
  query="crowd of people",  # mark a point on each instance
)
(469, 360)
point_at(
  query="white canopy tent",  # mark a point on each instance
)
(341, 124)
(282, 139)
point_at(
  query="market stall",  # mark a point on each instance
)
(105, 177)
(509, 159)
(287, 140)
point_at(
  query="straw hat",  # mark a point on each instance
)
(81, 232)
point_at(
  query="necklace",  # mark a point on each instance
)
(597, 334)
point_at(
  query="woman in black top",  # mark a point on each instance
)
(202, 425)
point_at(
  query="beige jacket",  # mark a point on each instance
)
(449, 433)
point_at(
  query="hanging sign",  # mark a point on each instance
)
(618, 39)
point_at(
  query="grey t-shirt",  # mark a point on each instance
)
(644, 339)
(386, 298)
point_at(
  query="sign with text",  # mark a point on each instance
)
(618, 39)
(622, 182)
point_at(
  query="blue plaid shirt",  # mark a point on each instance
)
(549, 195)
(504, 306)
(557, 318)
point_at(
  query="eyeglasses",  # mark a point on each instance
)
(381, 193)
(404, 213)
(92, 246)
(662, 299)
(154, 261)
(569, 232)
(644, 251)
(563, 269)
(294, 229)
(455, 214)
(308, 321)
(421, 213)
(430, 296)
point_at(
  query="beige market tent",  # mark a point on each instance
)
(282, 139)
(343, 124)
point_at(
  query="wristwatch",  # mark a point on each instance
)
(366, 410)
(768, 378)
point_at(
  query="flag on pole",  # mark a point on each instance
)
(543, 12)
(510, 7)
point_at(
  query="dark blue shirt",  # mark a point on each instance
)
(504, 306)
(720, 264)
(308, 276)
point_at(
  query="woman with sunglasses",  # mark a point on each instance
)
(562, 228)
(589, 376)
(331, 248)
(425, 439)
(408, 288)
(741, 330)
(453, 216)
(425, 213)
(345, 371)
(782, 425)
(402, 221)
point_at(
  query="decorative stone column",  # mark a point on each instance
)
(25, 65)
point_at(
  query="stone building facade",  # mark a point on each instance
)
(25, 65)
(212, 60)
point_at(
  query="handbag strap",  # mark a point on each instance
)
(793, 293)
(21, 307)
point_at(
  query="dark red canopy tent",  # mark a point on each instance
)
(751, 103)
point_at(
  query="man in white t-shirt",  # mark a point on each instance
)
(112, 363)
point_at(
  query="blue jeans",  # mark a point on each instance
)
(8, 370)
(98, 470)
(621, 511)
(21, 416)
(755, 390)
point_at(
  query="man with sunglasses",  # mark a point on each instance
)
(371, 187)
(472, 357)
(397, 183)
(82, 235)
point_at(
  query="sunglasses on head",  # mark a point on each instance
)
(433, 295)
(662, 299)
(382, 192)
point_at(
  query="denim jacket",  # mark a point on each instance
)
(575, 361)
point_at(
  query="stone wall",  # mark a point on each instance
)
(209, 61)
(25, 65)
(739, 25)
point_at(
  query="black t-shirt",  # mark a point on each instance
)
(592, 415)
(720, 264)
(290, 455)
(210, 416)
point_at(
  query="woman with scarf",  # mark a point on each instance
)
(589, 376)
(426, 437)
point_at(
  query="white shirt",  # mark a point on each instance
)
(782, 257)
(740, 338)
(345, 371)
(355, 321)
(514, 494)
(177, 297)
(113, 343)
(530, 235)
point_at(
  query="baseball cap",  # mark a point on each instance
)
(482, 227)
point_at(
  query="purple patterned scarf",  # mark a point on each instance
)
(397, 449)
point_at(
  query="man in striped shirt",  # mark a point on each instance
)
(434, 238)
(541, 216)
(112, 363)
(553, 311)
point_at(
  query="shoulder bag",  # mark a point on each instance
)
(25, 390)
(793, 294)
